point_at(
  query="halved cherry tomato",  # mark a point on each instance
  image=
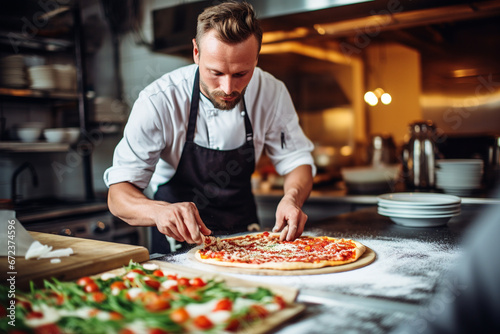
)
(113, 315)
(99, 297)
(48, 329)
(198, 282)
(24, 304)
(183, 281)
(173, 277)
(152, 283)
(126, 331)
(280, 301)
(154, 303)
(34, 315)
(179, 315)
(84, 281)
(91, 287)
(223, 305)
(192, 292)
(233, 325)
(158, 331)
(202, 322)
(117, 286)
(139, 271)
(158, 273)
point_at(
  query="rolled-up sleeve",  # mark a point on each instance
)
(286, 144)
(138, 152)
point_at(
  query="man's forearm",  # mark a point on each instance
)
(298, 184)
(128, 203)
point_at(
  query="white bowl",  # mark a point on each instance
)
(28, 135)
(72, 135)
(62, 135)
(54, 135)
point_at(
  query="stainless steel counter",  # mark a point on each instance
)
(377, 298)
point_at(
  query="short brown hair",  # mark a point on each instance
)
(234, 22)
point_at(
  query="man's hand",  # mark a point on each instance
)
(181, 221)
(290, 220)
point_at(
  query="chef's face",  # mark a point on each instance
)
(225, 69)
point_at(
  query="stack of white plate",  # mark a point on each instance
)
(43, 77)
(419, 209)
(13, 72)
(459, 176)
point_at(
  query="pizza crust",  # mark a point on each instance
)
(296, 265)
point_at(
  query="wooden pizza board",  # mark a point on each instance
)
(364, 260)
(289, 294)
(90, 257)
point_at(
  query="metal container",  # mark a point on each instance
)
(419, 155)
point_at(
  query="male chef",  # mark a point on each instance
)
(196, 133)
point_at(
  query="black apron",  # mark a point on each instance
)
(218, 182)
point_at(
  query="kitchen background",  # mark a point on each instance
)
(438, 60)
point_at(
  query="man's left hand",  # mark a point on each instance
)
(290, 220)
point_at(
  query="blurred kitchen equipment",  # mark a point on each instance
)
(419, 156)
(29, 132)
(370, 179)
(62, 135)
(382, 150)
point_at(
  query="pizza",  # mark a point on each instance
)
(143, 299)
(266, 251)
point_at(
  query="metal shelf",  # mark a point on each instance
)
(37, 94)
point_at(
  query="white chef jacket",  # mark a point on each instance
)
(155, 133)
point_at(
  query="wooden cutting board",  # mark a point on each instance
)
(90, 257)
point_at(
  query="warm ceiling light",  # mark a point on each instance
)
(386, 98)
(371, 98)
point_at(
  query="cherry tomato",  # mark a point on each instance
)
(115, 315)
(84, 281)
(203, 322)
(179, 315)
(158, 273)
(126, 331)
(152, 283)
(139, 271)
(117, 286)
(154, 303)
(233, 325)
(183, 281)
(192, 292)
(157, 331)
(198, 282)
(99, 297)
(223, 305)
(48, 329)
(280, 301)
(34, 315)
(24, 304)
(172, 277)
(91, 287)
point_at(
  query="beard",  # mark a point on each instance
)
(215, 95)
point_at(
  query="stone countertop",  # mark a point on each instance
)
(374, 299)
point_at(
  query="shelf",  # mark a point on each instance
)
(10, 41)
(37, 94)
(15, 146)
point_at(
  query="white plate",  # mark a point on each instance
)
(427, 222)
(416, 213)
(419, 207)
(418, 199)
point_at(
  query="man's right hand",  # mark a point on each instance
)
(180, 221)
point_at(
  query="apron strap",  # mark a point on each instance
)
(193, 110)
